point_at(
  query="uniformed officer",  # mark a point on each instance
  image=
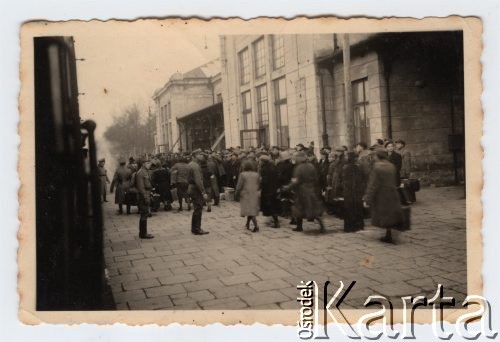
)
(121, 181)
(103, 177)
(197, 191)
(143, 185)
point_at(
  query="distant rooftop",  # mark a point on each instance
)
(207, 70)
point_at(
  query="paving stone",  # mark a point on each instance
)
(233, 291)
(185, 304)
(140, 284)
(188, 269)
(262, 298)
(122, 278)
(279, 273)
(164, 290)
(266, 285)
(129, 257)
(222, 264)
(177, 279)
(155, 303)
(239, 279)
(167, 265)
(206, 284)
(202, 295)
(217, 273)
(290, 305)
(231, 303)
(147, 261)
(126, 296)
(135, 269)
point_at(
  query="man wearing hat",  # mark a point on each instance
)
(323, 166)
(143, 185)
(299, 147)
(121, 179)
(103, 177)
(197, 191)
(364, 158)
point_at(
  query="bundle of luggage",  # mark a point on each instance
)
(155, 200)
(407, 190)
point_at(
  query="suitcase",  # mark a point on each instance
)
(409, 190)
(414, 184)
(406, 223)
(404, 195)
(155, 201)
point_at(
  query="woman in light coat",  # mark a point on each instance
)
(248, 193)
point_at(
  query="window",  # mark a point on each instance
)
(278, 52)
(169, 110)
(281, 109)
(219, 98)
(359, 103)
(262, 108)
(259, 58)
(246, 110)
(249, 138)
(245, 66)
(170, 134)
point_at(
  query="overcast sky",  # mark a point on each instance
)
(125, 64)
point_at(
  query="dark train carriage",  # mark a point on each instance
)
(69, 230)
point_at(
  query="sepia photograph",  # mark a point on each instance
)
(182, 166)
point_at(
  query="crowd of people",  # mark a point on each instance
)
(290, 184)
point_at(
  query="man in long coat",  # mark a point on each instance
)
(382, 196)
(103, 177)
(285, 172)
(335, 185)
(143, 185)
(353, 190)
(179, 179)
(234, 166)
(307, 204)
(323, 166)
(269, 189)
(213, 169)
(395, 159)
(197, 191)
(121, 181)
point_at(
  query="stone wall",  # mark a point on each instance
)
(423, 100)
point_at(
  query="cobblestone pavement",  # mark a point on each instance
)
(233, 268)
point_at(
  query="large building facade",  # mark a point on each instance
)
(189, 110)
(288, 89)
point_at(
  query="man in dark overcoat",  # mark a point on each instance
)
(395, 159)
(197, 191)
(353, 189)
(121, 181)
(269, 188)
(103, 177)
(382, 196)
(307, 204)
(323, 166)
(143, 185)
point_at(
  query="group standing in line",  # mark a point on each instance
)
(287, 183)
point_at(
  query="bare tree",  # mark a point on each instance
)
(131, 134)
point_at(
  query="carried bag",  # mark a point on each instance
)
(406, 223)
(404, 195)
(412, 183)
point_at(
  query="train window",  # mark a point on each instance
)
(55, 87)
